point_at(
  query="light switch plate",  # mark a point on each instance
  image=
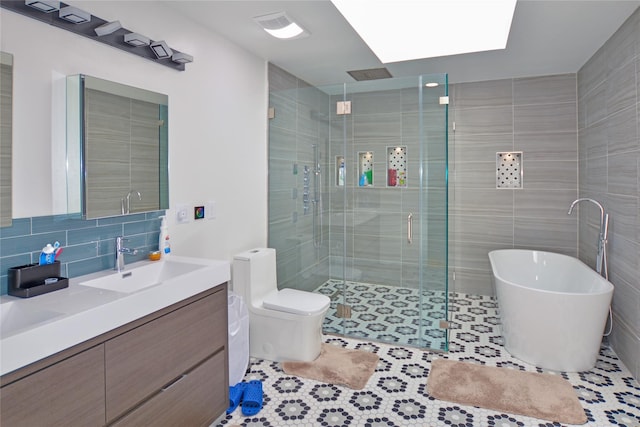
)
(210, 209)
(183, 214)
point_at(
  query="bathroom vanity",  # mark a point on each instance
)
(168, 366)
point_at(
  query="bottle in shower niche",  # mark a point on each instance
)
(363, 180)
(341, 174)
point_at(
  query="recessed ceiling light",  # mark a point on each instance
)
(403, 30)
(43, 5)
(431, 84)
(74, 15)
(281, 26)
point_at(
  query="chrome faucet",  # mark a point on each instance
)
(120, 252)
(129, 199)
(601, 259)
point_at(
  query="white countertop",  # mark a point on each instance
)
(83, 312)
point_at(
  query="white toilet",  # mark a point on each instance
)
(283, 325)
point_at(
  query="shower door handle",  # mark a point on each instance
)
(410, 228)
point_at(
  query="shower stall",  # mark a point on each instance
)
(358, 202)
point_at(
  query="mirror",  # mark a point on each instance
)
(117, 148)
(6, 133)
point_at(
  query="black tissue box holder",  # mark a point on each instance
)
(29, 280)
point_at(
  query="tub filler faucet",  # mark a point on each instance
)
(601, 259)
(120, 252)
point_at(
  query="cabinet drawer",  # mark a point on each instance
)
(141, 361)
(69, 393)
(195, 399)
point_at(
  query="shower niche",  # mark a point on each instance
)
(340, 175)
(365, 169)
(397, 166)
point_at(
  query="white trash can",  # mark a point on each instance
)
(238, 318)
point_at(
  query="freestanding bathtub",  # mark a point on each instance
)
(553, 308)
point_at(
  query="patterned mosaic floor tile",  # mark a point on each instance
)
(396, 393)
(386, 313)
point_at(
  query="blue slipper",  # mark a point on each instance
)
(235, 396)
(252, 400)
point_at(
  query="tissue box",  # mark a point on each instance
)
(29, 280)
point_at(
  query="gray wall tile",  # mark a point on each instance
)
(545, 118)
(547, 174)
(473, 282)
(593, 140)
(621, 88)
(622, 173)
(545, 234)
(481, 202)
(622, 131)
(547, 146)
(544, 111)
(478, 228)
(555, 89)
(485, 120)
(595, 104)
(471, 147)
(543, 204)
(608, 152)
(483, 94)
(595, 174)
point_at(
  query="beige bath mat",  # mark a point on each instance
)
(542, 396)
(337, 365)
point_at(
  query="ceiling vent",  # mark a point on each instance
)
(370, 74)
(280, 25)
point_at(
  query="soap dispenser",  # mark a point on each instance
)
(164, 245)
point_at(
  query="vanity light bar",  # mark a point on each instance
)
(181, 58)
(46, 6)
(135, 39)
(97, 29)
(161, 49)
(108, 28)
(75, 15)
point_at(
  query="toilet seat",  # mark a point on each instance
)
(296, 302)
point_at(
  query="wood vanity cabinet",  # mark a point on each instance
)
(166, 369)
(69, 393)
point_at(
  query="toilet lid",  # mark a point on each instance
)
(296, 302)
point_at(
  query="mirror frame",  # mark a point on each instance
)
(78, 142)
(6, 139)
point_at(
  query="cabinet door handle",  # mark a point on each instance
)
(174, 382)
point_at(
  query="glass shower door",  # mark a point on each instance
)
(388, 212)
(358, 202)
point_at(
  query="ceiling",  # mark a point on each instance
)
(547, 37)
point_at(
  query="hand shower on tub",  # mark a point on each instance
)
(601, 258)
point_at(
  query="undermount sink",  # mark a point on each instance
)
(15, 317)
(140, 277)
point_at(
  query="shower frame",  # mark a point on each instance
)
(341, 237)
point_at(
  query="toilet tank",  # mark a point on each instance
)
(254, 274)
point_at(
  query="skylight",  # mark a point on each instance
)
(403, 30)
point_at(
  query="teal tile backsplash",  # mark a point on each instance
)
(88, 244)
